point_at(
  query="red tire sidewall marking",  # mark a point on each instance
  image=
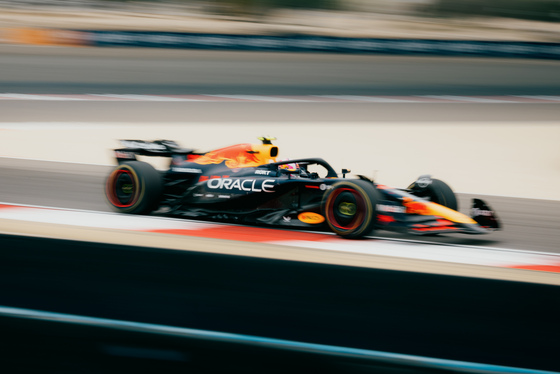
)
(360, 215)
(111, 185)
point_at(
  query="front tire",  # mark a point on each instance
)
(134, 187)
(350, 208)
(438, 192)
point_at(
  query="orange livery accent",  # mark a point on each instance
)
(416, 207)
(427, 208)
(310, 217)
(240, 155)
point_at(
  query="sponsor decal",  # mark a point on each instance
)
(324, 187)
(347, 209)
(479, 212)
(310, 217)
(186, 170)
(424, 182)
(143, 145)
(198, 195)
(224, 196)
(287, 219)
(243, 185)
(391, 208)
(127, 155)
(262, 172)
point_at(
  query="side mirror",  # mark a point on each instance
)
(344, 172)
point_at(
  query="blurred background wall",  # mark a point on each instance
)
(544, 10)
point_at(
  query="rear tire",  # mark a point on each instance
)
(438, 192)
(350, 208)
(134, 187)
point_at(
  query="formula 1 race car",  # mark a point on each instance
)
(245, 183)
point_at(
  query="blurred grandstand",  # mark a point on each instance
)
(546, 10)
(511, 20)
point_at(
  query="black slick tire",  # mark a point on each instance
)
(438, 192)
(134, 187)
(350, 209)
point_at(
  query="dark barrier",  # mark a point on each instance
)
(282, 43)
(73, 343)
(303, 43)
(466, 319)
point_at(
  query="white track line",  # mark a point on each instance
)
(144, 97)
(464, 246)
(467, 99)
(540, 97)
(41, 97)
(261, 98)
(430, 252)
(426, 99)
(371, 99)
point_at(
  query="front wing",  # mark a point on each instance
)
(421, 217)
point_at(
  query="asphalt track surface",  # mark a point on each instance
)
(67, 70)
(529, 224)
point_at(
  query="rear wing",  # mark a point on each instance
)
(157, 148)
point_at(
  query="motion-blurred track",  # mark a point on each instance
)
(530, 224)
(160, 71)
